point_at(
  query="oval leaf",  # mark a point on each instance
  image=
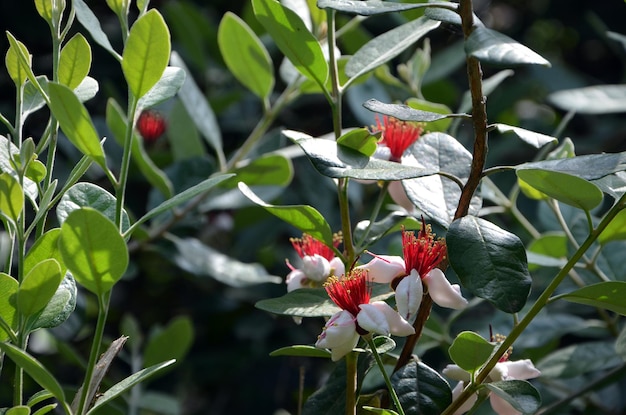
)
(470, 351)
(373, 7)
(301, 351)
(421, 390)
(245, 56)
(609, 295)
(519, 393)
(93, 250)
(490, 262)
(11, 196)
(170, 83)
(160, 346)
(493, 47)
(38, 287)
(8, 304)
(60, 306)
(16, 68)
(599, 99)
(146, 53)
(75, 61)
(304, 302)
(563, 187)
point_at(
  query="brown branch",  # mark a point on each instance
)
(420, 321)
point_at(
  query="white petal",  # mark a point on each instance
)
(295, 279)
(467, 405)
(337, 267)
(500, 406)
(409, 294)
(316, 267)
(371, 318)
(339, 335)
(398, 194)
(456, 373)
(520, 369)
(442, 292)
(384, 268)
(397, 325)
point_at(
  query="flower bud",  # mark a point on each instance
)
(316, 267)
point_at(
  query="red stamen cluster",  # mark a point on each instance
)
(151, 125)
(398, 135)
(422, 253)
(351, 291)
(308, 245)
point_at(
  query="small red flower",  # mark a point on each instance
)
(308, 245)
(350, 291)
(398, 135)
(422, 253)
(151, 125)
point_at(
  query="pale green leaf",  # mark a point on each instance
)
(75, 61)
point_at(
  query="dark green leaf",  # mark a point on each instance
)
(470, 351)
(579, 359)
(421, 390)
(599, 99)
(182, 135)
(301, 351)
(170, 343)
(490, 262)
(519, 393)
(388, 45)
(609, 295)
(406, 113)
(588, 167)
(620, 344)
(536, 140)
(490, 46)
(373, 7)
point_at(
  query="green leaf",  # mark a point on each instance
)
(171, 343)
(536, 140)
(35, 370)
(337, 161)
(406, 113)
(38, 287)
(11, 196)
(182, 134)
(116, 121)
(435, 195)
(550, 249)
(421, 390)
(301, 351)
(519, 393)
(578, 359)
(8, 303)
(588, 167)
(293, 39)
(46, 246)
(170, 83)
(470, 351)
(490, 262)
(32, 100)
(303, 217)
(125, 385)
(45, 409)
(489, 85)
(199, 259)
(267, 170)
(598, 99)
(60, 306)
(245, 56)
(373, 7)
(198, 108)
(490, 46)
(93, 250)
(75, 122)
(90, 22)
(36, 171)
(146, 53)
(432, 107)
(609, 295)
(89, 195)
(17, 70)
(360, 140)
(615, 230)
(75, 61)
(563, 187)
(304, 302)
(18, 410)
(366, 235)
(387, 46)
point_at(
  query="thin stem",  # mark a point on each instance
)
(125, 166)
(351, 382)
(381, 366)
(375, 211)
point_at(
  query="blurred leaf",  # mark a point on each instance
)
(38, 287)
(182, 134)
(8, 153)
(15, 67)
(267, 170)
(11, 196)
(615, 230)
(405, 112)
(551, 247)
(563, 187)
(245, 56)
(387, 46)
(519, 393)
(551, 326)
(303, 217)
(390, 223)
(198, 108)
(172, 342)
(490, 262)
(304, 302)
(75, 61)
(432, 107)
(340, 162)
(60, 307)
(89, 195)
(8, 303)
(599, 99)
(470, 351)
(166, 87)
(87, 89)
(421, 390)
(301, 351)
(489, 85)
(117, 123)
(46, 246)
(18, 410)
(490, 46)
(75, 122)
(146, 53)
(578, 359)
(536, 140)
(293, 39)
(437, 196)
(620, 344)
(90, 22)
(609, 295)
(32, 100)
(199, 259)
(360, 140)
(93, 250)
(373, 7)
(588, 167)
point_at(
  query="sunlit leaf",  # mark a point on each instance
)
(15, 67)
(8, 303)
(75, 61)
(493, 47)
(405, 112)
(470, 351)
(615, 230)
(536, 140)
(60, 306)
(11, 196)
(38, 287)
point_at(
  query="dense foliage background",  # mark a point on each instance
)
(227, 368)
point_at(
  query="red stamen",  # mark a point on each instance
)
(307, 245)
(350, 291)
(398, 135)
(422, 253)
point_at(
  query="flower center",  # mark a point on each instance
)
(422, 253)
(308, 245)
(349, 292)
(398, 135)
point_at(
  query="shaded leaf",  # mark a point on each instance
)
(599, 99)
(609, 295)
(588, 167)
(301, 351)
(493, 47)
(170, 343)
(421, 390)
(60, 306)
(578, 359)
(519, 393)
(360, 140)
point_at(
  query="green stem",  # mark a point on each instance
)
(125, 166)
(351, 382)
(543, 299)
(375, 211)
(381, 366)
